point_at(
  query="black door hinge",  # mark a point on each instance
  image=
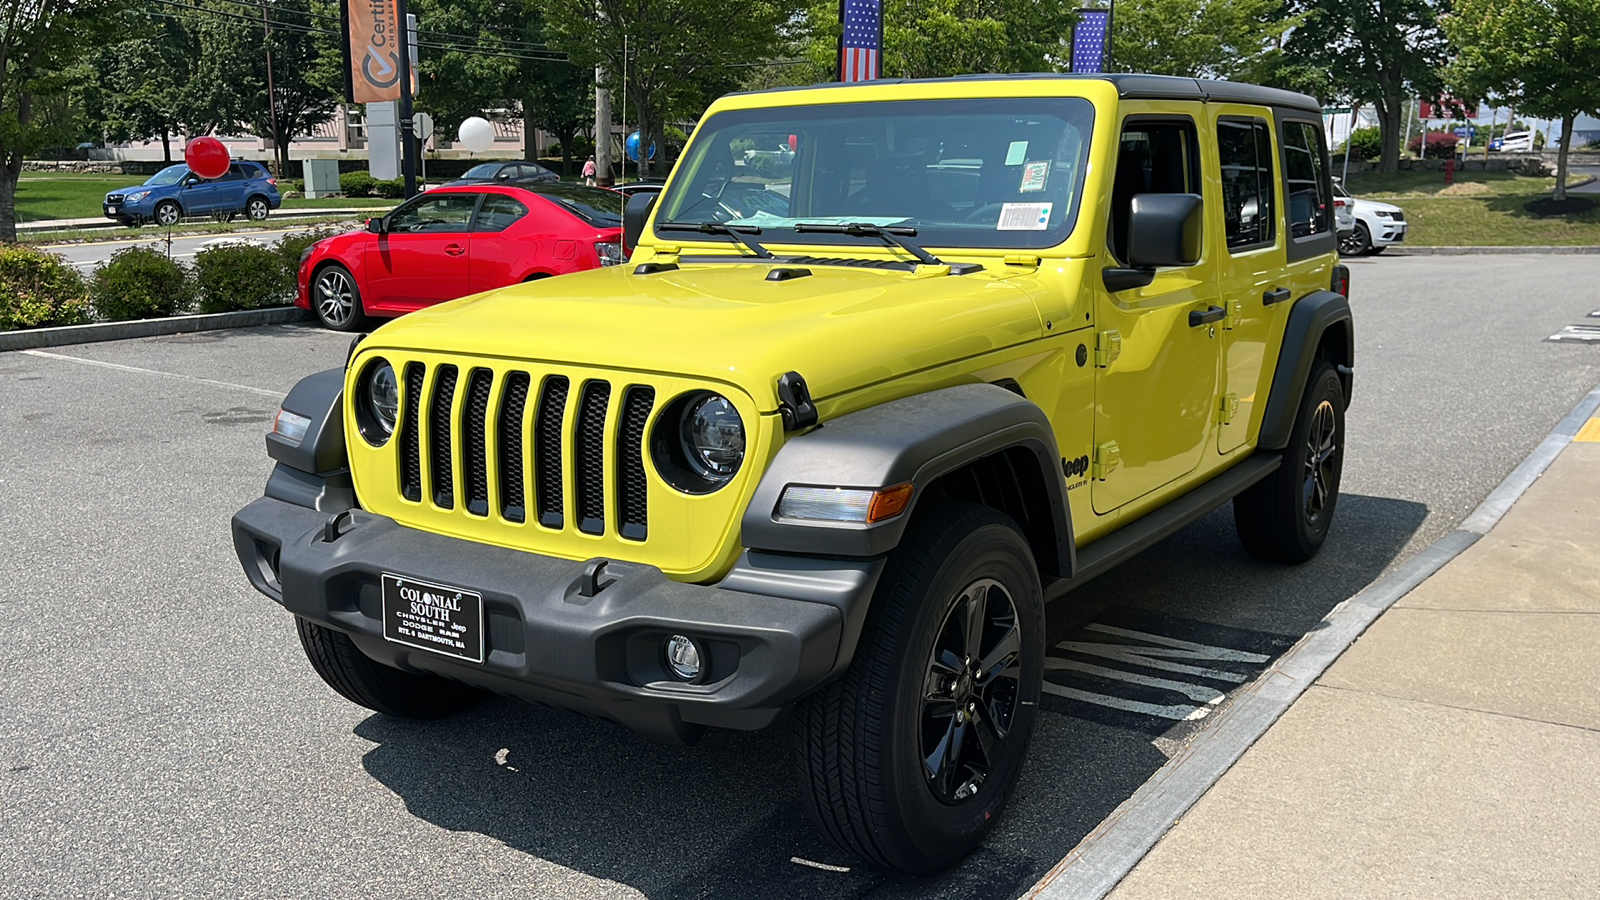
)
(794, 402)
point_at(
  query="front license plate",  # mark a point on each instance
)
(446, 620)
(112, 210)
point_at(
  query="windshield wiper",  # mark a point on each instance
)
(738, 233)
(894, 234)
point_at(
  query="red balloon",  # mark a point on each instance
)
(207, 157)
(794, 143)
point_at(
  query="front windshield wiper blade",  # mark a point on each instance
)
(894, 234)
(737, 232)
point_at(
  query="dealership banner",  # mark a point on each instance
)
(372, 48)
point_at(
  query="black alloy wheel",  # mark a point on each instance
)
(1285, 517)
(972, 689)
(1357, 243)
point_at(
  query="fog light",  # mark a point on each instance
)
(683, 657)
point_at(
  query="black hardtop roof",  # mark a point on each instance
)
(1130, 86)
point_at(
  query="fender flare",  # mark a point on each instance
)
(915, 439)
(1312, 317)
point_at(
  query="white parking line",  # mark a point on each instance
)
(277, 395)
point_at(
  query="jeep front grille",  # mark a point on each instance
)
(478, 442)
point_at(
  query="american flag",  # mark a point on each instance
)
(861, 44)
(1089, 40)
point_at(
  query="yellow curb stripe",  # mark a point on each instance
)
(1590, 432)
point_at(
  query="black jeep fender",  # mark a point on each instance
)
(922, 439)
(314, 471)
(1320, 324)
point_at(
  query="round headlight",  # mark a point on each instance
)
(713, 438)
(377, 401)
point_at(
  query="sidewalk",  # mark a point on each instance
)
(1452, 751)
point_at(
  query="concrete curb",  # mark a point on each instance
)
(1106, 855)
(1489, 251)
(33, 338)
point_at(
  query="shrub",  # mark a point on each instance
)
(241, 276)
(39, 289)
(393, 189)
(290, 246)
(1365, 143)
(553, 150)
(1440, 143)
(140, 283)
(356, 184)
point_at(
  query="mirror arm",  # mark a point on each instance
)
(1118, 279)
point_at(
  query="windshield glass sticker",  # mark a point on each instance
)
(1024, 217)
(1034, 175)
(1016, 153)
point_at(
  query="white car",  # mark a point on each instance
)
(1513, 142)
(1376, 226)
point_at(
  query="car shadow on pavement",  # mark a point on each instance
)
(724, 818)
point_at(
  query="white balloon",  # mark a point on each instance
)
(476, 134)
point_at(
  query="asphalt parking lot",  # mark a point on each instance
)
(164, 737)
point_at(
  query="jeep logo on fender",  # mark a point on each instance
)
(1074, 468)
(373, 26)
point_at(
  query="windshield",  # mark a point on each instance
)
(483, 170)
(169, 175)
(1003, 173)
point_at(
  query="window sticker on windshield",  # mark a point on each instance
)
(1024, 217)
(1034, 175)
(1016, 153)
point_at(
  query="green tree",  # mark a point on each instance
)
(1230, 39)
(934, 38)
(1378, 52)
(1543, 53)
(144, 86)
(664, 52)
(41, 42)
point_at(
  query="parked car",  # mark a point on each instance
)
(1513, 142)
(175, 192)
(520, 172)
(639, 187)
(1344, 221)
(455, 241)
(1376, 225)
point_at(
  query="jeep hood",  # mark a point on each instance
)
(842, 328)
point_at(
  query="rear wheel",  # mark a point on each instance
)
(336, 299)
(908, 760)
(376, 686)
(1285, 516)
(257, 209)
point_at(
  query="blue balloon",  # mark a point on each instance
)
(631, 147)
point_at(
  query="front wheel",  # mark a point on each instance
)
(168, 214)
(336, 299)
(1285, 516)
(908, 760)
(376, 686)
(1357, 242)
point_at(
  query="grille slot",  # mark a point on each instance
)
(632, 488)
(440, 457)
(547, 450)
(513, 503)
(475, 438)
(410, 444)
(590, 457)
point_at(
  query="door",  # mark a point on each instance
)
(1156, 365)
(1251, 270)
(422, 258)
(498, 254)
(200, 196)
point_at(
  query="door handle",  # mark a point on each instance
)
(1198, 317)
(454, 249)
(1276, 295)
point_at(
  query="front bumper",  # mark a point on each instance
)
(142, 209)
(546, 642)
(1388, 231)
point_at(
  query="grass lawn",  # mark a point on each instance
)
(1482, 209)
(278, 221)
(42, 195)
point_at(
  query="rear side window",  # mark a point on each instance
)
(497, 213)
(1248, 211)
(237, 172)
(1305, 181)
(596, 206)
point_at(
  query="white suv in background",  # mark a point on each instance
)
(1377, 225)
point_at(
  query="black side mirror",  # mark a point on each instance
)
(1164, 230)
(634, 215)
(375, 225)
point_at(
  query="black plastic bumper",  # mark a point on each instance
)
(547, 642)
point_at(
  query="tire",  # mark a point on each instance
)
(1358, 243)
(257, 209)
(336, 300)
(167, 214)
(129, 223)
(1285, 516)
(1376, 250)
(860, 743)
(375, 686)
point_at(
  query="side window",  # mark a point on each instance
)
(1305, 181)
(444, 213)
(497, 213)
(235, 172)
(1245, 153)
(1153, 157)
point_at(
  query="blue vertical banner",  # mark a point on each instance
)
(1091, 41)
(860, 40)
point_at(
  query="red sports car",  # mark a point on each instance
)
(455, 241)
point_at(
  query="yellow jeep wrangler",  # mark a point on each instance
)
(892, 366)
